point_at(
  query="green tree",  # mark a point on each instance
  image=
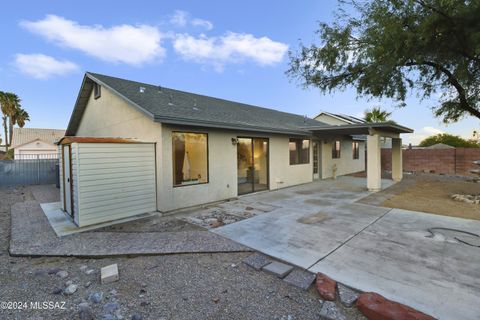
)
(449, 139)
(376, 114)
(12, 113)
(386, 48)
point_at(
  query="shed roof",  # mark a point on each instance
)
(69, 139)
(22, 136)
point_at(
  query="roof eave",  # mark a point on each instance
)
(228, 126)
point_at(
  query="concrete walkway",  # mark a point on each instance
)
(320, 227)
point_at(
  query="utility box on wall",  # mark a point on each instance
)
(106, 179)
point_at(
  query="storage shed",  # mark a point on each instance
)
(106, 179)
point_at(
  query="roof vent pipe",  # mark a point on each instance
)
(141, 89)
(170, 97)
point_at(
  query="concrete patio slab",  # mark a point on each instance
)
(302, 234)
(399, 258)
(63, 224)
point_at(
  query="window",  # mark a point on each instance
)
(336, 146)
(97, 91)
(190, 158)
(299, 151)
(356, 150)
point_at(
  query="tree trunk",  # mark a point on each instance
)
(6, 132)
(10, 131)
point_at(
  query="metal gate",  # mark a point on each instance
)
(28, 169)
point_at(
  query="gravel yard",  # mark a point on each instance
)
(181, 286)
(432, 193)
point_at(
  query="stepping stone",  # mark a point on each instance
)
(347, 296)
(330, 311)
(257, 261)
(326, 287)
(375, 306)
(109, 274)
(300, 278)
(278, 269)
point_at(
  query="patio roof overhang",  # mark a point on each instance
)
(388, 128)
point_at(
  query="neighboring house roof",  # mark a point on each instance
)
(440, 146)
(171, 106)
(342, 117)
(22, 136)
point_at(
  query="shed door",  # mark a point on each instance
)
(67, 179)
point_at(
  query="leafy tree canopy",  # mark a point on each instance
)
(385, 48)
(449, 139)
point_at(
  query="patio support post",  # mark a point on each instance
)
(374, 171)
(397, 166)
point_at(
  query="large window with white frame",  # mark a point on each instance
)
(190, 158)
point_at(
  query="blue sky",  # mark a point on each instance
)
(232, 50)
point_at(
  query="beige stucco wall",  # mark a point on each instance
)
(222, 159)
(330, 120)
(345, 164)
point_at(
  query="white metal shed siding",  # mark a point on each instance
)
(112, 181)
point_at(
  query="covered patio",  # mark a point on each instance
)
(374, 132)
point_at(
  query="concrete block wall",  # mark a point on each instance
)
(456, 161)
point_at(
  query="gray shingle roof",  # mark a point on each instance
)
(178, 107)
(26, 135)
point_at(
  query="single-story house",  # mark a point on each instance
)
(132, 145)
(35, 143)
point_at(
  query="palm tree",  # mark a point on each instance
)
(7, 108)
(13, 113)
(20, 117)
(376, 114)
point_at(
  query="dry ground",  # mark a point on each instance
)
(183, 286)
(432, 193)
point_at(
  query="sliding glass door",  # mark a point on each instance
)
(252, 165)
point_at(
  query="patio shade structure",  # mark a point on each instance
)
(373, 131)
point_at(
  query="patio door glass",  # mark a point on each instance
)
(252, 165)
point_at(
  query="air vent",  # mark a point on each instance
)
(141, 89)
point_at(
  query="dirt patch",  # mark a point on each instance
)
(154, 224)
(433, 194)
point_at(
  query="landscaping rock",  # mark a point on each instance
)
(71, 289)
(110, 307)
(109, 274)
(88, 284)
(85, 312)
(347, 296)
(40, 273)
(53, 271)
(96, 297)
(83, 268)
(376, 307)
(300, 278)
(137, 317)
(62, 274)
(108, 317)
(57, 291)
(278, 269)
(326, 287)
(89, 271)
(330, 311)
(256, 261)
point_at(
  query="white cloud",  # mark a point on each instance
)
(229, 48)
(41, 66)
(182, 19)
(122, 43)
(207, 25)
(419, 135)
(179, 18)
